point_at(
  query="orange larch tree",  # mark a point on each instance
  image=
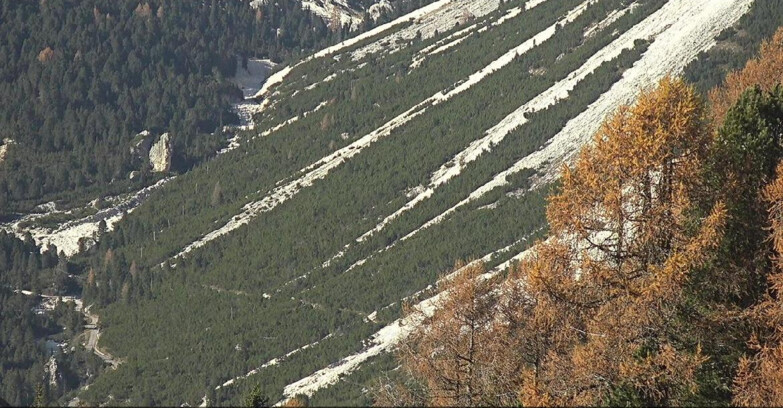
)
(657, 246)
(625, 238)
(451, 353)
(766, 72)
(759, 381)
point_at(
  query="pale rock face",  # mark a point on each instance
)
(250, 79)
(161, 153)
(46, 207)
(143, 142)
(53, 372)
(4, 148)
(376, 9)
(333, 11)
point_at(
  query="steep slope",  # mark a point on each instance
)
(670, 27)
(370, 167)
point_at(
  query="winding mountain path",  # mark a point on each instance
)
(92, 330)
(93, 333)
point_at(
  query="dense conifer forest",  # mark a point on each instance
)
(82, 78)
(32, 340)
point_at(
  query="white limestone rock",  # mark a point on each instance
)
(141, 144)
(4, 148)
(161, 153)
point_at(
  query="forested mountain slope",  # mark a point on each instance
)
(93, 80)
(368, 169)
(103, 101)
(659, 283)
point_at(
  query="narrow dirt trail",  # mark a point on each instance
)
(92, 330)
(93, 333)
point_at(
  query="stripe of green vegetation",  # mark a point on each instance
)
(518, 144)
(403, 280)
(503, 218)
(195, 322)
(283, 225)
(736, 45)
(371, 84)
(276, 255)
(416, 263)
(357, 388)
(213, 337)
(474, 176)
(263, 163)
(317, 69)
(430, 237)
(330, 351)
(417, 161)
(291, 146)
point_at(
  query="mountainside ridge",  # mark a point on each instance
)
(683, 27)
(358, 175)
(666, 22)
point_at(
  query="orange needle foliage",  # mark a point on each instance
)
(591, 311)
(759, 380)
(622, 248)
(455, 357)
(657, 248)
(766, 71)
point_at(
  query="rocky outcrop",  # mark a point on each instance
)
(4, 148)
(379, 8)
(141, 144)
(53, 372)
(161, 154)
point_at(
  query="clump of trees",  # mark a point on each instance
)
(660, 282)
(25, 360)
(86, 77)
(760, 375)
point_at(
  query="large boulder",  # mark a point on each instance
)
(161, 153)
(141, 144)
(4, 148)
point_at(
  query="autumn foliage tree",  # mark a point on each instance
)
(765, 72)
(588, 317)
(453, 357)
(626, 237)
(659, 274)
(759, 381)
